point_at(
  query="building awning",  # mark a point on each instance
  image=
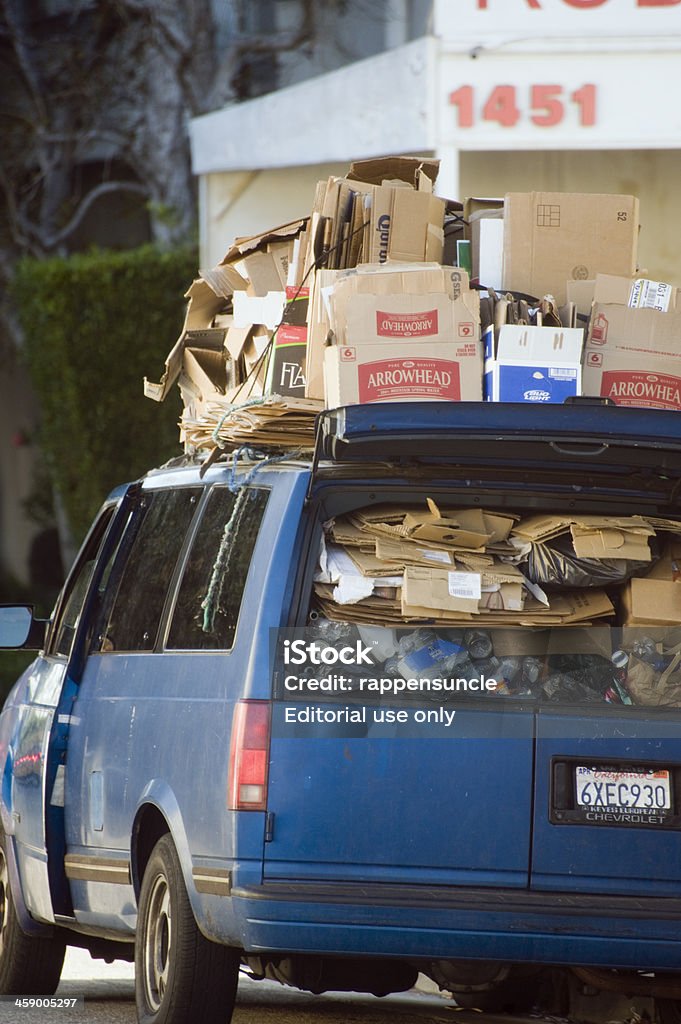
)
(375, 106)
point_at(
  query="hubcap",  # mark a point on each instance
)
(157, 943)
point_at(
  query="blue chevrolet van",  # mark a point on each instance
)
(172, 792)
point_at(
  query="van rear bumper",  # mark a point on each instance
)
(442, 922)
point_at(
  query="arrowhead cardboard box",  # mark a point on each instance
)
(409, 335)
(633, 348)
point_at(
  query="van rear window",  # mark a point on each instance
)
(455, 601)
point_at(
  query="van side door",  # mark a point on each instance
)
(37, 747)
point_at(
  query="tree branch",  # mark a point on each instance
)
(14, 16)
(55, 239)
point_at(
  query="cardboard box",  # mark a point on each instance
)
(286, 370)
(426, 304)
(554, 237)
(533, 364)
(404, 371)
(651, 602)
(632, 353)
(403, 335)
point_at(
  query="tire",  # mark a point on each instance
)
(180, 975)
(29, 965)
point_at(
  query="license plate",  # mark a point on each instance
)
(601, 788)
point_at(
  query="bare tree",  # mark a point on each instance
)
(116, 82)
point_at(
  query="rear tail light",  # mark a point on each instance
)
(248, 756)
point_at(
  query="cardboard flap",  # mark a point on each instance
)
(204, 303)
(611, 290)
(236, 339)
(536, 344)
(267, 310)
(369, 565)
(409, 553)
(173, 365)
(349, 535)
(592, 536)
(224, 280)
(465, 528)
(498, 525)
(375, 170)
(247, 244)
(263, 272)
(612, 541)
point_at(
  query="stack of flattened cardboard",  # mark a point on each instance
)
(223, 359)
(391, 565)
(272, 422)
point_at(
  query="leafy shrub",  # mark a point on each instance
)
(95, 324)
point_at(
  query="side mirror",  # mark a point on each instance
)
(19, 629)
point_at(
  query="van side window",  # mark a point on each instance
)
(146, 563)
(209, 599)
(68, 614)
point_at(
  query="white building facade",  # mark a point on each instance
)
(510, 95)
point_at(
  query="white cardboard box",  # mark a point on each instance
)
(534, 364)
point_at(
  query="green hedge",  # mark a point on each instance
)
(95, 324)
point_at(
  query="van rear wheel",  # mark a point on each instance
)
(29, 965)
(180, 975)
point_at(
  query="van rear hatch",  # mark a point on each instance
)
(537, 788)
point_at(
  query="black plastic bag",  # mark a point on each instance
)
(554, 565)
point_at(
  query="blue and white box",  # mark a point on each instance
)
(533, 364)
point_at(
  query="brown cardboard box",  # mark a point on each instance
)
(402, 372)
(429, 303)
(651, 602)
(403, 334)
(553, 237)
(655, 599)
(633, 353)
